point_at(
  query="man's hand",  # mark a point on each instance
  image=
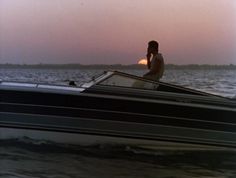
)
(148, 60)
(148, 56)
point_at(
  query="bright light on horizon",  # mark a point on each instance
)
(142, 61)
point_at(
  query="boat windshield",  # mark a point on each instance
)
(120, 79)
(130, 81)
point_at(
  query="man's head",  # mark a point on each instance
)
(153, 46)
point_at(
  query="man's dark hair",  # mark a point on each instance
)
(153, 44)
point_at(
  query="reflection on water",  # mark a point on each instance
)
(220, 82)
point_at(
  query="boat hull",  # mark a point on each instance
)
(40, 137)
(85, 131)
(121, 116)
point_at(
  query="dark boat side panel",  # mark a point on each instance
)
(120, 109)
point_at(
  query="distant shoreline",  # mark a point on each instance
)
(113, 66)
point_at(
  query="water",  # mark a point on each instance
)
(220, 82)
(32, 159)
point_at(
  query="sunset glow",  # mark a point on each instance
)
(117, 32)
(142, 61)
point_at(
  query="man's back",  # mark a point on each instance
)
(157, 65)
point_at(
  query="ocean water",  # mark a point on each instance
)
(221, 82)
(28, 158)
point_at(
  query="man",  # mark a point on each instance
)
(155, 62)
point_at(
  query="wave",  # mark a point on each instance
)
(43, 159)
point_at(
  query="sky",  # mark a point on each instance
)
(117, 31)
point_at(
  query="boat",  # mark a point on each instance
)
(118, 108)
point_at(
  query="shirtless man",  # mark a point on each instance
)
(155, 62)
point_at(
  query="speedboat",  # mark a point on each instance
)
(118, 108)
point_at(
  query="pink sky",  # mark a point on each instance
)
(117, 31)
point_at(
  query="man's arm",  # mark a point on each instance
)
(157, 65)
(148, 60)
